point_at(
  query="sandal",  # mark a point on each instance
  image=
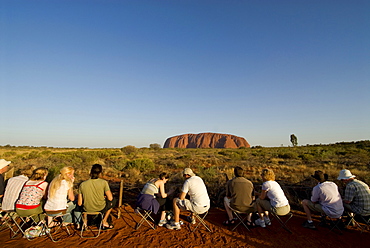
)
(107, 227)
(250, 224)
(229, 222)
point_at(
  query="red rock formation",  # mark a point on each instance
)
(206, 140)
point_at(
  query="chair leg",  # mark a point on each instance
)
(144, 218)
(283, 223)
(241, 221)
(201, 221)
(87, 228)
(52, 231)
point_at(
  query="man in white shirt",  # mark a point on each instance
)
(325, 199)
(199, 200)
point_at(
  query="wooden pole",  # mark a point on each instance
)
(120, 199)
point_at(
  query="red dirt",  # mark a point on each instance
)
(125, 235)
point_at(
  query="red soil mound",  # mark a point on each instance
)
(206, 140)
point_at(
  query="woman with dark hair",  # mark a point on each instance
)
(29, 202)
(153, 196)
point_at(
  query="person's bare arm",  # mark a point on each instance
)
(161, 190)
(80, 200)
(263, 194)
(71, 195)
(109, 195)
(182, 196)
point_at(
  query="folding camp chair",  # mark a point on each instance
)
(24, 223)
(200, 221)
(357, 220)
(238, 215)
(280, 218)
(58, 226)
(92, 224)
(8, 220)
(145, 215)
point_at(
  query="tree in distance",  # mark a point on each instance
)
(294, 140)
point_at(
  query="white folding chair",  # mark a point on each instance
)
(145, 217)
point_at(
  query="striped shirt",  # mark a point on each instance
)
(12, 190)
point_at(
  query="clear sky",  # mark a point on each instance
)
(116, 73)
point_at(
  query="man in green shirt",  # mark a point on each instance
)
(95, 195)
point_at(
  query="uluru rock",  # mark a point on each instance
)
(206, 140)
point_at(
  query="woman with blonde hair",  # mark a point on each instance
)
(29, 201)
(272, 198)
(60, 189)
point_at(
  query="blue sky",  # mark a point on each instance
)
(116, 73)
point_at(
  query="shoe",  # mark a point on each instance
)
(162, 222)
(191, 219)
(306, 224)
(260, 223)
(267, 221)
(173, 226)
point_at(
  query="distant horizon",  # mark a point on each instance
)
(251, 146)
(116, 73)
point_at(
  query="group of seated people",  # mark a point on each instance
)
(241, 197)
(30, 195)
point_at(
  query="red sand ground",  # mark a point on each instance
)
(125, 235)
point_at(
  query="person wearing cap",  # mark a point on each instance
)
(3, 168)
(356, 195)
(199, 200)
(239, 197)
(325, 199)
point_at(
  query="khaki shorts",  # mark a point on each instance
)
(315, 207)
(266, 205)
(187, 205)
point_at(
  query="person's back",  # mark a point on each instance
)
(197, 191)
(240, 190)
(358, 193)
(12, 191)
(328, 196)
(93, 191)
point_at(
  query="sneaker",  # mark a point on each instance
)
(162, 222)
(191, 219)
(267, 221)
(174, 226)
(306, 224)
(260, 222)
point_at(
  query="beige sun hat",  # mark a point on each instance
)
(188, 171)
(345, 174)
(4, 163)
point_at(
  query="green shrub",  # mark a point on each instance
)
(142, 164)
